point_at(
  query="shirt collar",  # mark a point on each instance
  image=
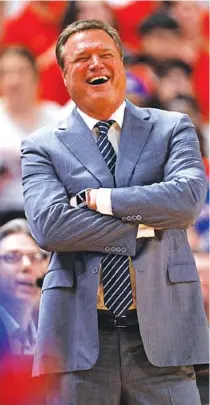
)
(13, 328)
(11, 325)
(117, 116)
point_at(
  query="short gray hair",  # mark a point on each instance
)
(84, 25)
(18, 225)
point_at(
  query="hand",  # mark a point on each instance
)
(91, 199)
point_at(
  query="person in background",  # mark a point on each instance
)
(160, 37)
(119, 302)
(199, 233)
(36, 28)
(20, 114)
(22, 262)
(193, 20)
(186, 103)
(173, 78)
(82, 10)
(2, 18)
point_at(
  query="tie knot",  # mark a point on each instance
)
(103, 126)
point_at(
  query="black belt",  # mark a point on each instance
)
(107, 320)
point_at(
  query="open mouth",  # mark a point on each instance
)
(26, 283)
(98, 80)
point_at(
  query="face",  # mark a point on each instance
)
(94, 73)
(50, 11)
(18, 80)
(187, 13)
(176, 82)
(161, 44)
(91, 9)
(18, 278)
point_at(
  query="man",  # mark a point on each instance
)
(21, 264)
(122, 316)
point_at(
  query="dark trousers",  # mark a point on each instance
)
(123, 375)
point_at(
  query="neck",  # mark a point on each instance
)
(103, 113)
(20, 109)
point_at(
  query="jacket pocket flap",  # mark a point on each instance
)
(57, 278)
(184, 272)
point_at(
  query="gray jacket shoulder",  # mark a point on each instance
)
(160, 117)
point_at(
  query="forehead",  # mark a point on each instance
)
(89, 40)
(14, 60)
(18, 241)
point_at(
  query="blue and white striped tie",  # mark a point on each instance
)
(115, 268)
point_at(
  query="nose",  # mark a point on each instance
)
(95, 62)
(25, 263)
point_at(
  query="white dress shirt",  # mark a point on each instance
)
(103, 196)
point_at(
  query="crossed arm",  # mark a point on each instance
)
(173, 203)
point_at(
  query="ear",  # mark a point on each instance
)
(63, 76)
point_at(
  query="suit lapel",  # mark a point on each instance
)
(77, 137)
(134, 135)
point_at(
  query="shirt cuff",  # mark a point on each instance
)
(103, 201)
(145, 232)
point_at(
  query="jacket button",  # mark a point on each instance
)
(124, 219)
(95, 270)
(113, 249)
(133, 217)
(118, 249)
(138, 217)
(129, 218)
(123, 250)
(107, 248)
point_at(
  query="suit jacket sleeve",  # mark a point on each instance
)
(177, 200)
(55, 225)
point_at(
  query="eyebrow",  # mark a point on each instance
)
(84, 52)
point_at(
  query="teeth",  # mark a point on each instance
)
(105, 78)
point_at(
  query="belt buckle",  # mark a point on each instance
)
(119, 326)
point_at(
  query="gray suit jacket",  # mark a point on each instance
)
(160, 182)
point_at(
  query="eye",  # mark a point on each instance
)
(107, 55)
(82, 59)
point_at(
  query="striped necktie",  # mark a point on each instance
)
(115, 268)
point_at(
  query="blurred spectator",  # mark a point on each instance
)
(198, 234)
(4, 345)
(84, 10)
(187, 104)
(174, 77)
(20, 114)
(2, 17)
(160, 37)
(21, 264)
(193, 20)
(37, 28)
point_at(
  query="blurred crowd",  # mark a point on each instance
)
(166, 54)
